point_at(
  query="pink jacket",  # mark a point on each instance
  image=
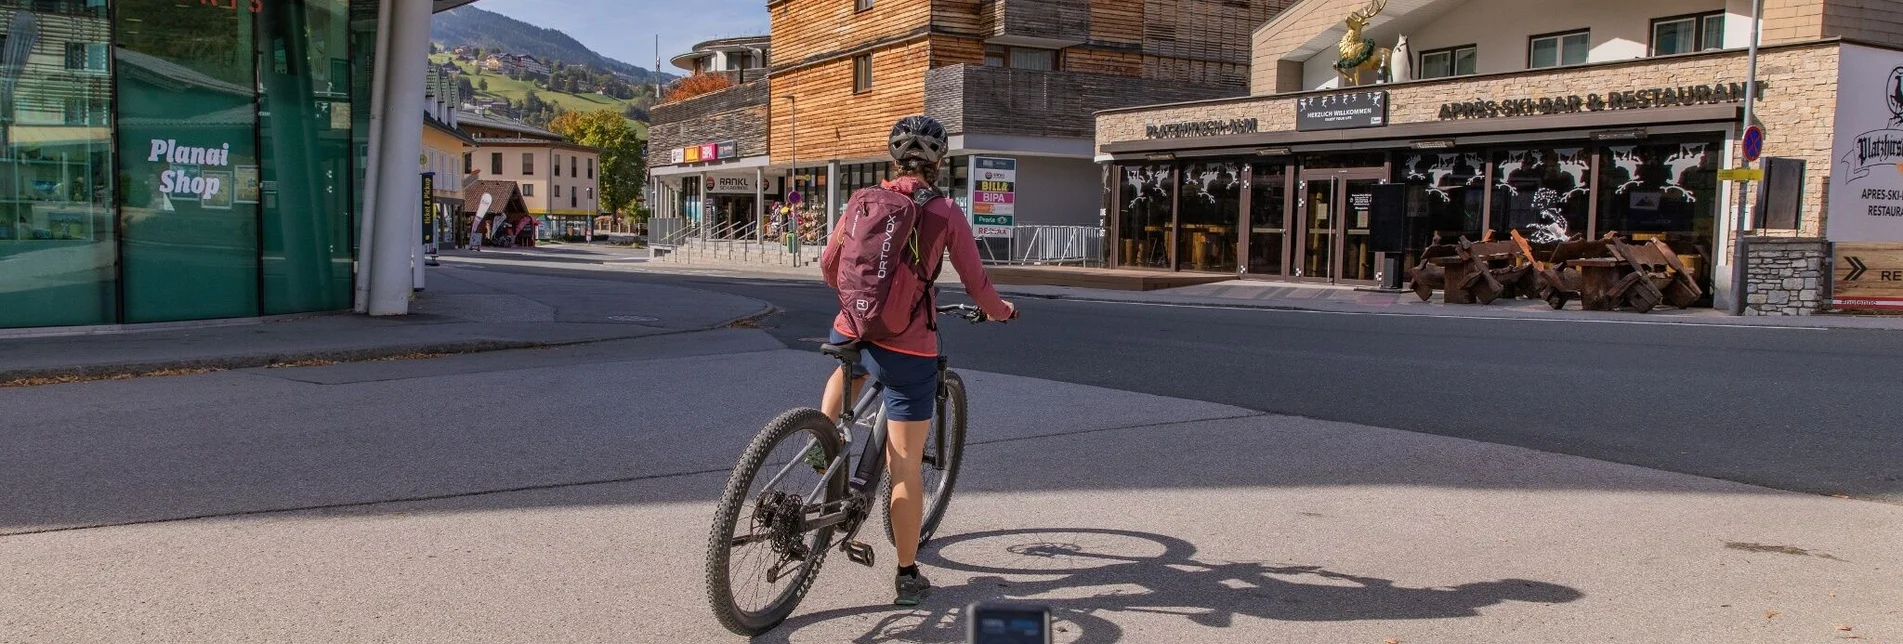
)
(943, 227)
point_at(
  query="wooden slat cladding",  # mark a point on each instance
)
(1103, 61)
(957, 51)
(1213, 30)
(958, 17)
(1116, 22)
(835, 122)
(805, 31)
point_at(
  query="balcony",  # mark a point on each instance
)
(973, 99)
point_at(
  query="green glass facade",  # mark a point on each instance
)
(207, 164)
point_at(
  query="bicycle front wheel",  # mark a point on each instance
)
(940, 472)
(760, 559)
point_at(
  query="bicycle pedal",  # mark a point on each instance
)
(859, 553)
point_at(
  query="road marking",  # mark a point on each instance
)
(1218, 307)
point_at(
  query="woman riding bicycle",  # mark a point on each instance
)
(906, 363)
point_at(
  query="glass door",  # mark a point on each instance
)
(1357, 245)
(1315, 252)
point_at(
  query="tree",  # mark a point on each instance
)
(622, 169)
(483, 84)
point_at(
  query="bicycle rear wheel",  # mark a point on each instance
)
(760, 561)
(938, 477)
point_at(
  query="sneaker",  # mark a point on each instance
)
(911, 589)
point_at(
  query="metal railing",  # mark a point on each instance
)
(1047, 245)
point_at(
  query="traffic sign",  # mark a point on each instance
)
(1753, 143)
(1741, 174)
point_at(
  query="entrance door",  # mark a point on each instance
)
(1332, 224)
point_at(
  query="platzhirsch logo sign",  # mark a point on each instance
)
(1200, 128)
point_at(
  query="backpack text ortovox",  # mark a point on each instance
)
(881, 280)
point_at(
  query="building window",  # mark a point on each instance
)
(528, 164)
(861, 73)
(863, 5)
(591, 168)
(571, 199)
(1454, 61)
(1687, 34)
(1558, 49)
(469, 161)
(528, 190)
(495, 164)
(558, 191)
(558, 165)
(571, 167)
(1021, 58)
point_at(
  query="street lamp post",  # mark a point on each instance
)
(1739, 227)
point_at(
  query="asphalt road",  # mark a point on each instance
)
(1796, 409)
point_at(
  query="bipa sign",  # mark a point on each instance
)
(186, 182)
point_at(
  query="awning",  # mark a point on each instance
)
(1461, 132)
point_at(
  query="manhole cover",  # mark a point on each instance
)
(633, 318)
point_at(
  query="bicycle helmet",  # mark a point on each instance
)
(918, 137)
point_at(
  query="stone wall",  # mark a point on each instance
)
(1786, 275)
(1799, 104)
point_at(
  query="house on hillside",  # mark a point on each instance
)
(532, 66)
(464, 52)
(503, 63)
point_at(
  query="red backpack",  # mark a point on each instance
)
(882, 280)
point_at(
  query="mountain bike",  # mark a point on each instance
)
(769, 540)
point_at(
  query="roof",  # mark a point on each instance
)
(506, 193)
(491, 121)
(439, 6)
(705, 49)
(432, 122)
(538, 143)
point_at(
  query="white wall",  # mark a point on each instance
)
(1055, 191)
(1621, 29)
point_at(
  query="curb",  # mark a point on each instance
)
(61, 375)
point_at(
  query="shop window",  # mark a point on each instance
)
(1554, 50)
(528, 164)
(1544, 193)
(1665, 191)
(57, 225)
(1446, 198)
(191, 243)
(1687, 34)
(1031, 58)
(1210, 209)
(862, 73)
(1455, 61)
(1145, 211)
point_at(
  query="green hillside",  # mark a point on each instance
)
(518, 90)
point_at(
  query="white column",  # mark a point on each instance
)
(366, 229)
(759, 204)
(397, 231)
(834, 200)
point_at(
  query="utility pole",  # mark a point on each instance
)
(1738, 290)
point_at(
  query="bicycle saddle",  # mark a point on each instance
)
(847, 352)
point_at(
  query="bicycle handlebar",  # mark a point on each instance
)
(967, 312)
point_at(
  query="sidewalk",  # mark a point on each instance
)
(1248, 294)
(463, 310)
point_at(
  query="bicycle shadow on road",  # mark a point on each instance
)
(1088, 576)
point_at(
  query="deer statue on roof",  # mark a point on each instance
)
(1359, 54)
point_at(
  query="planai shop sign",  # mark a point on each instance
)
(1573, 104)
(185, 181)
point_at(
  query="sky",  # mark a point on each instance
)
(625, 29)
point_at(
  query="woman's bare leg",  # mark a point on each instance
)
(904, 458)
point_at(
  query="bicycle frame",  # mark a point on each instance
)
(871, 467)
